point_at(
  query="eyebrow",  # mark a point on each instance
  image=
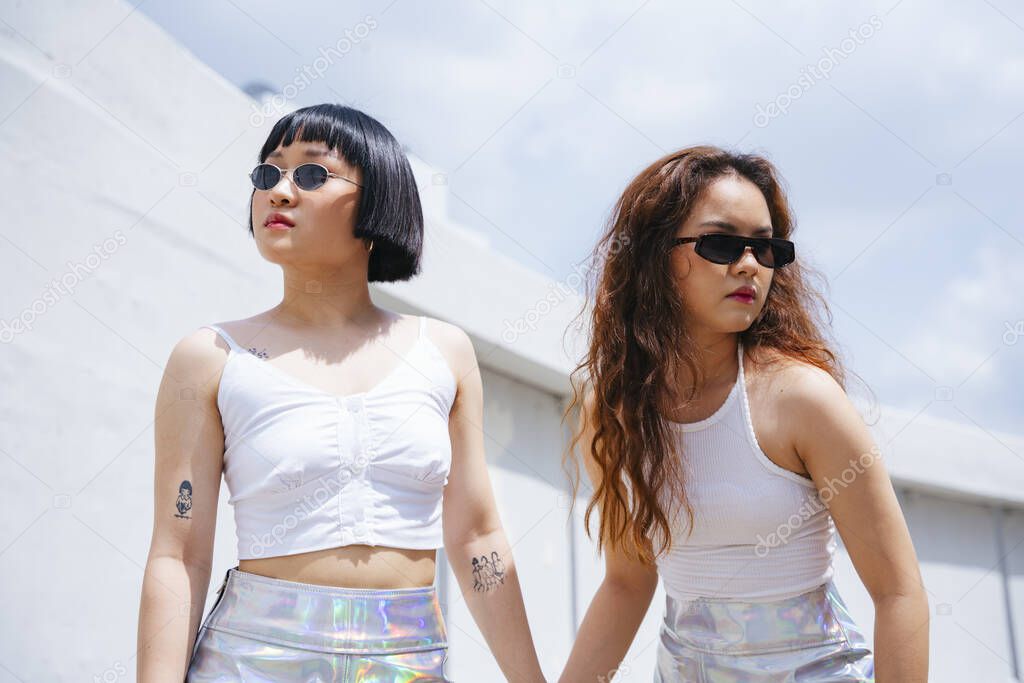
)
(729, 227)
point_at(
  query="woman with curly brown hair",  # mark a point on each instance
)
(723, 450)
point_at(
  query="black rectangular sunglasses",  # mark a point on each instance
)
(770, 252)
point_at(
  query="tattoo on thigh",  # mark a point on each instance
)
(184, 502)
(488, 572)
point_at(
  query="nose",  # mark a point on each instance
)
(283, 194)
(747, 262)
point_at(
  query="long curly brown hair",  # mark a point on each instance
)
(639, 330)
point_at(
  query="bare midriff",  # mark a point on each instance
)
(351, 566)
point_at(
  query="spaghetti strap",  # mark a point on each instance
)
(423, 326)
(227, 337)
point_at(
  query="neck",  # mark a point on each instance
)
(319, 298)
(717, 361)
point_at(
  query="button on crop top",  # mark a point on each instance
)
(309, 470)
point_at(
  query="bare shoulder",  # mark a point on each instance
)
(787, 378)
(805, 383)
(196, 361)
(454, 344)
(810, 398)
(798, 410)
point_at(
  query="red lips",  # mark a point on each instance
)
(743, 291)
(278, 218)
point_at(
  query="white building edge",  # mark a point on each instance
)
(112, 131)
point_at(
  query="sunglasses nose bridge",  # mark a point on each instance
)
(743, 252)
(282, 176)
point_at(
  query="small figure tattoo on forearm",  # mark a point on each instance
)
(488, 573)
(184, 502)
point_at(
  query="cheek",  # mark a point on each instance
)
(697, 282)
(687, 275)
(261, 208)
(764, 285)
(338, 209)
(682, 267)
(695, 274)
(259, 203)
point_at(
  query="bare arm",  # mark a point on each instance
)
(846, 465)
(618, 607)
(474, 540)
(189, 442)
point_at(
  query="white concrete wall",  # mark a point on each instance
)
(154, 245)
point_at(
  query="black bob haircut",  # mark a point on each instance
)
(389, 210)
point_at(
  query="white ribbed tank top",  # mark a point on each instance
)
(761, 532)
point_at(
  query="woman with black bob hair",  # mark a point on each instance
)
(389, 212)
(350, 440)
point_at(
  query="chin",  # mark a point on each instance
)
(735, 322)
(274, 249)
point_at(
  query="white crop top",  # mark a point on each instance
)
(309, 470)
(760, 531)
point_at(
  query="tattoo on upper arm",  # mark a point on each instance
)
(184, 502)
(488, 572)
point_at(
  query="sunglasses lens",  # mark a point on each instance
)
(784, 253)
(765, 254)
(720, 249)
(310, 176)
(265, 176)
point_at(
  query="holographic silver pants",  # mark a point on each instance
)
(810, 638)
(262, 629)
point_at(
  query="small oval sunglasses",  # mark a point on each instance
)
(770, 252)
(308, 176)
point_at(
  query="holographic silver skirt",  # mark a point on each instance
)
(262, 629)
(810, 638)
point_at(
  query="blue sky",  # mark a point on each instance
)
(902, 120)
